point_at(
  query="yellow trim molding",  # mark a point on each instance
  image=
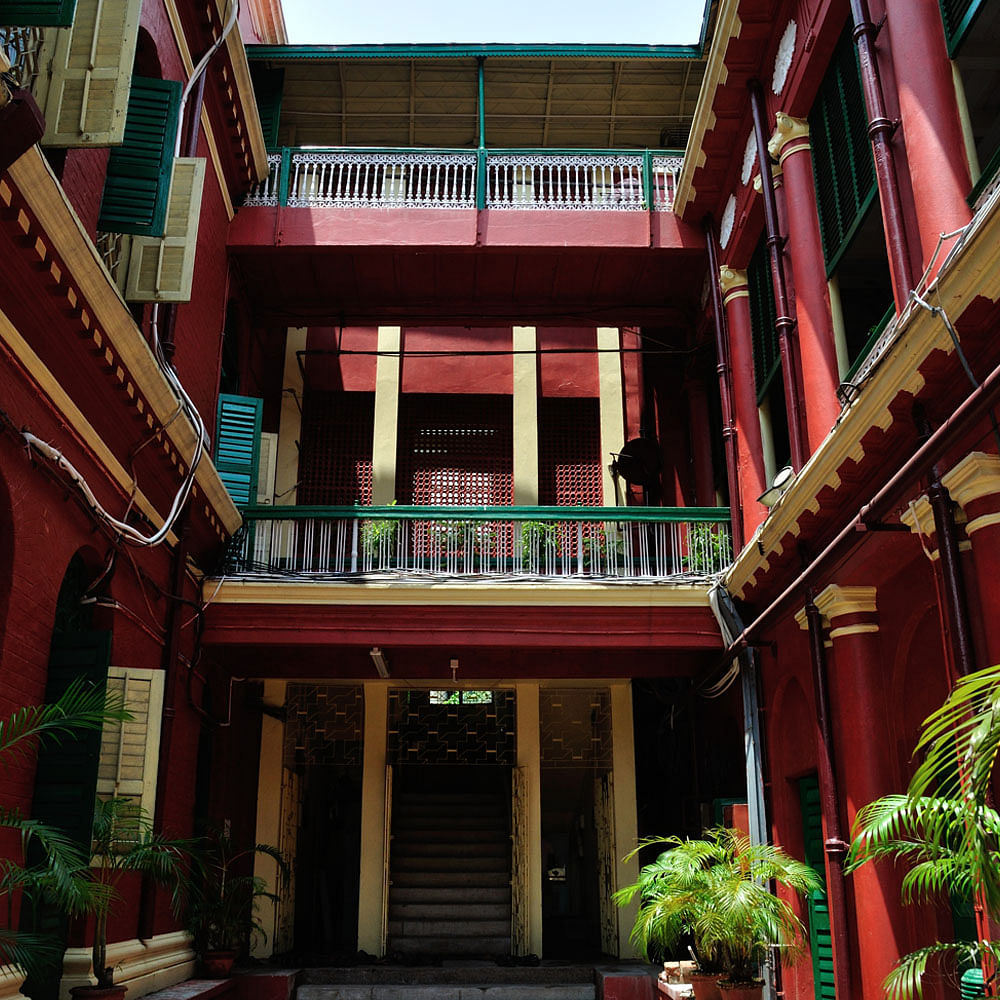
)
(787, 131)
(733, 284)
(985, 521)
(835, 601)
(976, 476)
(860, 629)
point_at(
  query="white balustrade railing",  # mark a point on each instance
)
(390, 179)
(525, 180)
(349, 545)
(265, 192)
(666, 170)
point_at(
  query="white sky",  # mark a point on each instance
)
(348, 22)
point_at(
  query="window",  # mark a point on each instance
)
(237, 445)
(461, 697)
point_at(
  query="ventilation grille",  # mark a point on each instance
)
(335, 461)
(569, 453)
(455, 450)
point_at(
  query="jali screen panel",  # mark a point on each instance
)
(335, 461)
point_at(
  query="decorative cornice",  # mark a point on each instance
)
(919, 516)
(733, 283)
(836, 601)
(788, 130)
(776, 179)
(976, 476)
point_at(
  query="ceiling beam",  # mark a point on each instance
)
(616, 80)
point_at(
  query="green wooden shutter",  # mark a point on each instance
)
(138, 179)
(37, 13)
(268, 88)
(958, 16)
(843, 164)
(820, 935)
(763, 320)
(237, 445)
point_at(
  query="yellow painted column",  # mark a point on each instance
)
(609, 367)
(372, 888)
(387, 372)
(529, 758)
(626, 819)
(290, 427)
(525, 417)
(272, 739)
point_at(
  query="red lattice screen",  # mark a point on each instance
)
(455, 450)
(335, 448)
(569, 452)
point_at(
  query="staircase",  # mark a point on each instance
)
(449, 872)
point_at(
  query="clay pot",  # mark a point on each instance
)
(218, 964)
(741, 991)
(706, 987)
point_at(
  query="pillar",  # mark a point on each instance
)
(750, 453)
(529, 763)
(290, 425)
(525, 416)
(864, 762)
(609, 367)
(626, 818)
(974, 484)
(372, 887)
(817, 346)
(932, 125)
(387, 372)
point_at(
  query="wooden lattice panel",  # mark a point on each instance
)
(569, 452)
(335, 461)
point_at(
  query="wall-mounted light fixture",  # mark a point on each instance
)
(781, 483)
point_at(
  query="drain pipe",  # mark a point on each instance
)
(834, 846)
(785, 323)
(725, 386)
(880, 131)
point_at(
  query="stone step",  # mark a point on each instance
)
(466, 910)
(448, 929)
(458, 821)
(450, 880)
(443, 834)
(448, 863)
(478, 946)
(453, 849)
(522, 991)
(451, 896)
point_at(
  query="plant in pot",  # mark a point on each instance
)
(123, 842)
(223, 913)
(54, 870)
(715, 890)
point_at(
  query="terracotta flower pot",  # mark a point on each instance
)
(741, 991)
(218, 964)
(98, 992)
(706, 987)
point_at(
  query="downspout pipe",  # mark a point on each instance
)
(834, 846)
(880, 131)
(725, 374)
(785, 322)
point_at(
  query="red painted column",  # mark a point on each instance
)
(817, 347)
(857, 701)
(974, 484)
(932, 130)
(736, 297)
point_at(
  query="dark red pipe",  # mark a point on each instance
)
(880, 130)
(785, 323)
(834, 844)
(724, 370)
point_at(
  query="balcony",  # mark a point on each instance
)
(530, 544)
(580, 180)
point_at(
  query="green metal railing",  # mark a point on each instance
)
(661, 543)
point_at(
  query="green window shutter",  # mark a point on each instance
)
(820, 935)
(958, 16)
(138, 179)
(237, 445)
(763, 320)
(268, 87)
(843, 164)
(40, 13)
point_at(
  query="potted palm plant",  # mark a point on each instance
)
(223, 913)
(124, 841)
(946, 830)
(716, 890)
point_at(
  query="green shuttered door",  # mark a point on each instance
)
(820, 937)
(40, 13)
(138, 180)
(842, 155)
(958, 16)
(237, 445)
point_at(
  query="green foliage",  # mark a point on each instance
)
(223, 911)
(716, 890)
(539, 540)
(378, 537)
(945, 828)
(709, 549)
(62, 877)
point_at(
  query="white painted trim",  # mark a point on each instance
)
(388, 370)
(525, 400)
(609, 367)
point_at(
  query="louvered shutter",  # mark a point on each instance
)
(127, 767)
(161, 270)
(237, 445)
(958, 16)
(820, 935)
(87, 94)
(843, 164)
(268, 85)
(763, 320)
(38, 13)
(138, 180)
